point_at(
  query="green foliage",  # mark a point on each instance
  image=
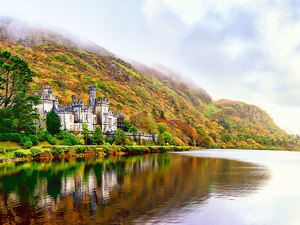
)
(52, 140)
(167, 137)
(2, 151)
(162, 127)
(69, 139)
(85, 133)
(42, 135)
(53, 123)
(65, 59)
(24, 139)
(98, 136)
(15, 137)
(58, 151)
(35, 151)
(81, 149)
(11, 149)
(19, 154)
(4, 137)
(14, 78)
(34, 139)
(27, 145)
(109, 140)
(120, 137)
(160, 139)
(133, 129)
(127, 126)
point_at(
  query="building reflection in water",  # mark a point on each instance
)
(118, 190)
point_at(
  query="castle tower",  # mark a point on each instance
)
(92, 92)
(101, 111)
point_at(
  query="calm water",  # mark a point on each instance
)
(199, 187)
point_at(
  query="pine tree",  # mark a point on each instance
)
(85, 133)
(98, 136)
(53, 122)
(14, 78)
(120, 137)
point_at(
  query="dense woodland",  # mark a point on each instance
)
(144, 96)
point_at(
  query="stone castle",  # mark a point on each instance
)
(72, 117)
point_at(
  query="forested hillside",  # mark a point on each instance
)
(144, 95)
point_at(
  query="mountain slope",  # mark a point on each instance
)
(144, 95)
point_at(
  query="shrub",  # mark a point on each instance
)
(149, 143)
(15, 137)
(35, 151)
(11, 149)
(2, 151)
(46, 153)
(27, 145)
(120, 137)
(109, 140)
(106, 147)
(24, 139)
(128, 141)
(42, 134)
(19, 154)
(34, 139)
(133, 129)
(81, 149)
(152, 148)
(52, 140)
(60, 135)
(58, 151)
(4, 137)
(70, 139)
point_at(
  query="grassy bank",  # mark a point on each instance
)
(59, 151)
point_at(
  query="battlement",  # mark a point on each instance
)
(102, 101)
(92, 88)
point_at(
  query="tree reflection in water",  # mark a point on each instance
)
(118, 189)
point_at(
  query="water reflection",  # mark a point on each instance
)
(119, 190)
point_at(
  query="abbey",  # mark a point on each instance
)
(72, 117)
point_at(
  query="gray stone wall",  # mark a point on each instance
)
(136, 136)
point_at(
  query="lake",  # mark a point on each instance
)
(197, 187)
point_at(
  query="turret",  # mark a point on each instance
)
(92, 92)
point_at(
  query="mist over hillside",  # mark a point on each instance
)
(145, 95)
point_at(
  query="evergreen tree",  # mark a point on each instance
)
(16, 106)
(120, 137)
(98, 136)
(14, 78)
(85, 133)
(53, 122)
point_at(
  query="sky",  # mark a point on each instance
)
(245, 50)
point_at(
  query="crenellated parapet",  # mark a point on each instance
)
(102, 101)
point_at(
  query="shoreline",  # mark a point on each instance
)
(66, 152)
